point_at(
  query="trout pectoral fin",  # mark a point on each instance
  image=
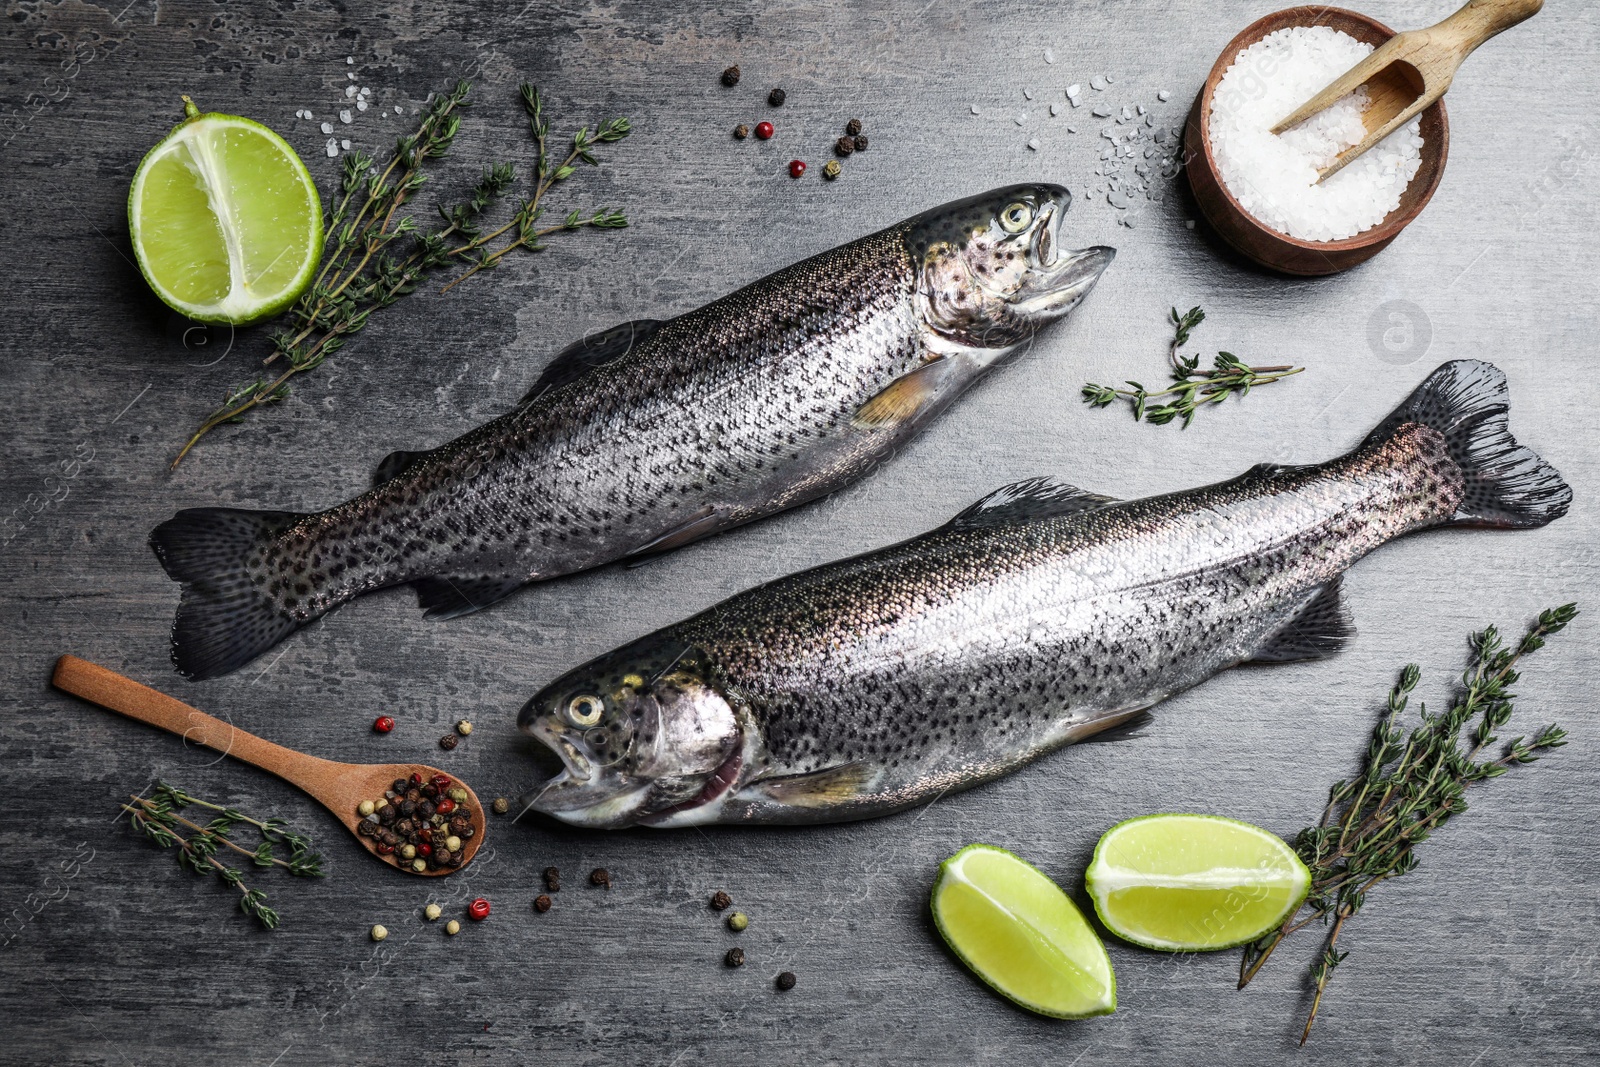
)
(446, 597)
(904, 397)
(831, 785)
(1317, 631)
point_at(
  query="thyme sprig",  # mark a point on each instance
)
(156, 816)
(1408, 787)
(1192, 386)
(377, 254)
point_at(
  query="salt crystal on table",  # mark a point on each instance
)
(1163, 96)
(1074, 89)
(332, 147)
(1072, 129)
(345, 144)
(1033, 144)
(1021, 117)
(349, 90)
(350, 59)
(344, 116)
(361, 105)
(1101, 112)
(1098, 83)
(1049, 56)
(1027, 94)
(974, 109)
(327, 127)
(1055, 109)
(365, 91)
(351, 75)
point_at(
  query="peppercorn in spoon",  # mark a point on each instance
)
(428, 811)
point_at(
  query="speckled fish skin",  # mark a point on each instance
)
(1038, 617)
(654, 434)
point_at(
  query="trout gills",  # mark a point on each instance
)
(654, 433)
(1037, 617)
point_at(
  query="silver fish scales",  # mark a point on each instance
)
(1040, 616)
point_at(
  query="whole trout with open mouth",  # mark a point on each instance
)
(654, 433)
(1037, 617)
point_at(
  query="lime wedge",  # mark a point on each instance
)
(1021, 934)
(1187, 883)
(225, 220)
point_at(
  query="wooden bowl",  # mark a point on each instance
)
(1257, 240)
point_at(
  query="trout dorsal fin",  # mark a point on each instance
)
(1024, 501)
(590, 352)
(394, 465)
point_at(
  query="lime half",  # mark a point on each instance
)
(1021, 934)
(225, 219)
(1193, 882)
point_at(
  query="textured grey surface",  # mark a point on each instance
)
(112, 955)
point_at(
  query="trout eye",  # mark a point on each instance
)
(1015, 218)
(585, 710)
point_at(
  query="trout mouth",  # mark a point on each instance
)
(1064, 280)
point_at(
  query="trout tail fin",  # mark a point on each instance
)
(224, 618)
(1507, 485)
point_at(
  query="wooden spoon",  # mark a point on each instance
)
(340, 787)
(1410, 71)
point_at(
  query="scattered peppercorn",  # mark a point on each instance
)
(738, 921)
(379, 932)
(541, 903)
(449, 741)
(844, 146)
(464, 727)
(552, 879)
(764, 130)
(786, 979)
(797, 167)
(501, 805)
(730, 77)
(478, 910)
(432, 912)
(777, 97)
(720, 900)
(831, 171)
(741, 131)
(600, 877)
(861, 142)
(452, 927)
(852, 128)
(734, 958)
(383, 724)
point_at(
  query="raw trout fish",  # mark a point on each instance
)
(654, 433)
(1037, 617)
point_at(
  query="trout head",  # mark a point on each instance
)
(991, 269)
(642, 735)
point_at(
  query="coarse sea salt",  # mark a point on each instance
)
(1274, 178)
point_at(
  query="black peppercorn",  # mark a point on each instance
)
(786, 980)
(413, 794)
(466, 831)
(552, 879)
(600, 877)
(459, 823)
(541, 903)
(720, 900)
(449, 741)
(389, 837)
(366, 828)
(844, 146)
(730, 77)
(861, 142)
(430, 791)
(852, 128)
(387, 815)
(408, 808)
(399, 785)
(741, 131)
(777, 97)
(734, 958)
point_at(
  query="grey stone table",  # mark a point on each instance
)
(112, 955)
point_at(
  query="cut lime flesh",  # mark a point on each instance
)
(225, 220)
(1022, 935)
(1193, 883)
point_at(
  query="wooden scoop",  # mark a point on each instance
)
(340, 787)
(1411, 70)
